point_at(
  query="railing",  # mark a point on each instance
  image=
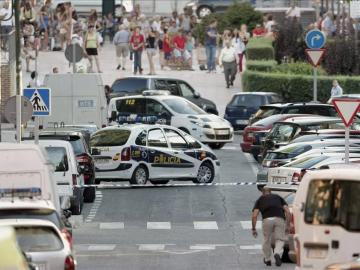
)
(7, 48)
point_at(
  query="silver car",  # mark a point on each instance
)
(42, 243)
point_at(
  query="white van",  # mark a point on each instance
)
(66, 172)
(327, 217)
(76, 99)
(24, 167)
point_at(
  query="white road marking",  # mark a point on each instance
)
(203, 247)
(247, 225)
(205, 225)
(159, 226)
(151, 247)
(111, 225)
(253, 163)
(95, 207)
(101, 247)
(229, 147)
(251, 247)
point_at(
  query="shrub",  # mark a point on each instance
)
(260, 49)
(300, 68)
(296, 88)
(261, 65)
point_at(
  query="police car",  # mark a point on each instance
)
(157, 153)
(160, 107)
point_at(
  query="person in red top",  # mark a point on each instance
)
(137, 45)
(179, 48)
(259, 31)
(166, 46)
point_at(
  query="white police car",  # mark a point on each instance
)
(160, 107)
(158, 153)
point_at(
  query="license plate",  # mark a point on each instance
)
(40, 266)
(279, 179)
(101, 161)
(317, 253)
(222, 132)
(242, 122)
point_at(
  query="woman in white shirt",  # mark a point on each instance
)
(239, 46)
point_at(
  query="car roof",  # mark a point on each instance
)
(312, 120)
(349, 172)
(148, 77)
(135, 126)
(52, 143)
(61, 133)
(29, 204)
(27, 223)
(156, 97)
(283, 105)
(256, 93)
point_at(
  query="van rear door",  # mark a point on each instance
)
(331, 228)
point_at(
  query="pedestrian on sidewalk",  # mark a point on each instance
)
(91, 46)
(121, 41)
(210, 45)
(274, 212)
(229, 58)
(336, 90)
(137, 44)
(151, 49)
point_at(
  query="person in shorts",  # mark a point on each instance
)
(121, 41)
(91, 47)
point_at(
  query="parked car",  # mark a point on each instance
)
(43, 243)
(203, 8)
(326, 217)
(154, 107)
(294, 108)
(80, 144)
(129, 86)
(244, 104)
(157, 153)
(350, 265)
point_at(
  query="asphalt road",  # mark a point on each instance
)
(177, 227)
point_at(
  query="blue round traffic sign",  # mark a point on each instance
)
(315, 39)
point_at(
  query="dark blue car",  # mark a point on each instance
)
(245, 104)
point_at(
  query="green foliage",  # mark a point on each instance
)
(260, 65)
(297, 88)
(260, 49)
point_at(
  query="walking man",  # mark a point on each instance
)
(229, 59)
(210, 46)
(274, 211)
(121, 41)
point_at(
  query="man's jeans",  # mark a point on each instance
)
(273, 229)
(210, 56)
(137, 61)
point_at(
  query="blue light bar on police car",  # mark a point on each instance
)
(20, 192)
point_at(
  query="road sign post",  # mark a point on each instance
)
(315, 41)
(347, 109)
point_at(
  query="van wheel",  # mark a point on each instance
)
(140, 176)
(285, 257)
(89, 194)
(216, 145)
(205, 173)
(160, 182)
(76, 202)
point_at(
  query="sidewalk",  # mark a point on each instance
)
(211, 86)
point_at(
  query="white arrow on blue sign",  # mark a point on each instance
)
(40, 99)
(315, 39)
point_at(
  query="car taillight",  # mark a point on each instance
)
(69, 263)
(298, 176)
(292, 225)
(74, 179)
(297, 251)
(125, 154)
(83, 159)
(67, 236)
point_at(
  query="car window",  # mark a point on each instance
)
(129, 85)
(182, 106)
(154, 107)
(306, 163)
(175, 140)
(295, 110)
(333, 202)
(78, 146)
(186, 90)
(282, 133)
(37, 239)
(130, 106)
(248, 100)
(112, 137)
(58, 157)
(156, 138)
(275, 99)
(192, 142)
(173, 87)
(161, 84)
(266, 112)
(141, 139)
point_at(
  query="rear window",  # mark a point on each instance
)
(78, 146)
(37, 239)
(289, 152)
(266, 112)
(306, 163)
(116, 137)
(282, 132)
(32, 214)
(248, 100)
(269, 120)
(58, 157)
(334, 202)
(129, 85)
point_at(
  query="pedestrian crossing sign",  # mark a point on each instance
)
(40, 99)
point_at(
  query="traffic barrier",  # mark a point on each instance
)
(125, 186)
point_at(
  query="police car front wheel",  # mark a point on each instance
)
(205, 173)
(140, 176)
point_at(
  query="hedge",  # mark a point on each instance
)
(261, 65)
(260, 49)
(297, 88)
(296, 68)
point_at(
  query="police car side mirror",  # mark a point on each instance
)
(113, 116)
(196, 94)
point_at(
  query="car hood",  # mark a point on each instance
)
(209, 119)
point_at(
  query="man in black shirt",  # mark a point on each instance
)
(274, 211)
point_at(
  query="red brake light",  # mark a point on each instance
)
(67, 236)
(126, 154)
(69, 263)
(83, 158)
(298, 176)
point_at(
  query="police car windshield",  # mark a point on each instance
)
(182, 106)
